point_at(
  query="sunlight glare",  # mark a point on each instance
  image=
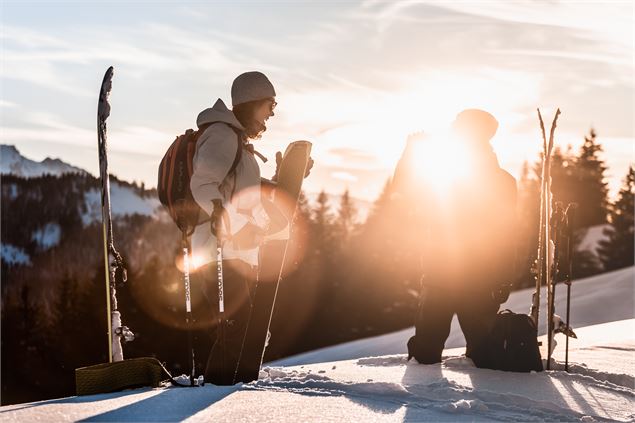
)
(443, 160)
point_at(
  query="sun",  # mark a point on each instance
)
(440, 159)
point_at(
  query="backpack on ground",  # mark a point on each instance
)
(175, 172)
(512, 344)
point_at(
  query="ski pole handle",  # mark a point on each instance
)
(217, 218)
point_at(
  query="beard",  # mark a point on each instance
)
(255, 129)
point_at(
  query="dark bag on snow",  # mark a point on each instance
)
(513, 345)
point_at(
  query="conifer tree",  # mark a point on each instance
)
(564, 186)
(590, 185)
(323, 224)
(617, 250)
(346, 215)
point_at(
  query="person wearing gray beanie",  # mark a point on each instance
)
(253, 102)
(251, 86)
(226, 184)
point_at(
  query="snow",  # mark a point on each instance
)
(14, 255)
(11, 161)
(381, 386)
(592, 237)
(11, 191)
(48, 236)
(124, 201)
(588, 296)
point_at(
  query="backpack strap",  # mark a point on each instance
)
(239, 151)
(203, 217)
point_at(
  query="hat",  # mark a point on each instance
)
(476, 123)
(251, 86)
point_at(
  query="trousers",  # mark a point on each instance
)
(239, 282)
(476, 312)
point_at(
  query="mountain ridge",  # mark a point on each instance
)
(13, 162)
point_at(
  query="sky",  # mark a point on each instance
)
(354, 78)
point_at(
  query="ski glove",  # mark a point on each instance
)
(500, 294)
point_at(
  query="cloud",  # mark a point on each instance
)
(43, 59)
(7, 104)
(49, 128)
(602, 58)
(344, 176)
(352, 154)
(610, 21)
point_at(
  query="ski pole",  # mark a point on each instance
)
(556, 220)
(217, 216)
(570, 216)
(188, 305)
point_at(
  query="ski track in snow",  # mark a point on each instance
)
(452, 397)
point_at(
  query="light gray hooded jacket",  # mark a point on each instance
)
(215, 152)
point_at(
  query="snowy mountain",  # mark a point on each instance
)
(11, 161)
(46, 212)
(372, 382)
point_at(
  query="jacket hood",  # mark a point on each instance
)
(218, 113)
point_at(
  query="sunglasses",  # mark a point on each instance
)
(272, 105)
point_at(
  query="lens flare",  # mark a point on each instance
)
(443, 160)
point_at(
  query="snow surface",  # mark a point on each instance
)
(47, 236)
(382, 386)
(598, 299)
(14, 255)
(592, 238)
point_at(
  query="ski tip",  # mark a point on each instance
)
(103, 110)
(106, 82)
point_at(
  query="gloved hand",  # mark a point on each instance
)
(500, 293)
(216, 221)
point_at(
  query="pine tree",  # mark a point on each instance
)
(617, 250)
(346, 214)
(563, 182)
(590, 185)
(323, 224)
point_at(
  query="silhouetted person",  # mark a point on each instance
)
(465, 234)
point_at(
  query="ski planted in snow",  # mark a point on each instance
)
(113, 262)
(273, 259)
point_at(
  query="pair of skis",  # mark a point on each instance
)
(555, 229)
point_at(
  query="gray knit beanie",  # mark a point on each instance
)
(251, 86)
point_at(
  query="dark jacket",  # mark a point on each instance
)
(466, 234)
